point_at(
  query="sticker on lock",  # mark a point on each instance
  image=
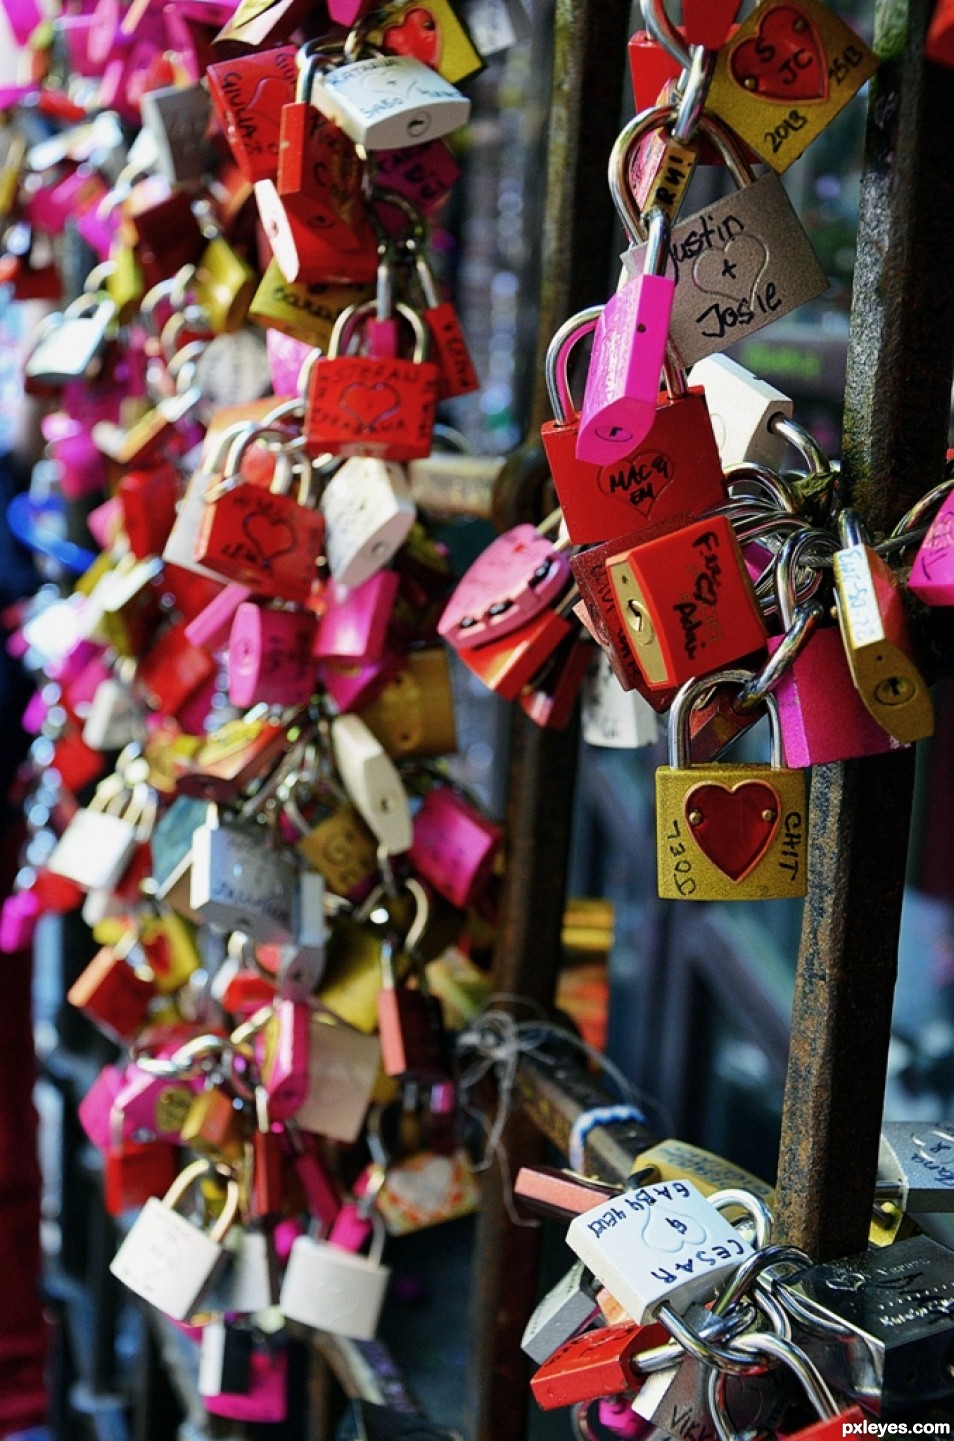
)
(728, 832)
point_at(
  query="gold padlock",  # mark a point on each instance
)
(728, 832)
(213, 1127)
(673, 1160)
(874, 629)
(307, 312)
(352, 976)
(224, 286)
(414, 715)
(342, 849)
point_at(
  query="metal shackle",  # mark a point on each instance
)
(685, 699)
(557, 361)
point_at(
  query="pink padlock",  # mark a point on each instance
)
(355, 622)
(263, 1399)
(616, 1414)
(932, 575)
(97, 1108)
(80, 691)
(210, 628)
(286, 356)
(282, 1050)
(270, 656)
(509, 584)
(423, 174)
(156, 1105)
(75, 31)
(322, 1196)
(193, 713)
(352, 1228)
(82, 467)
(349, 12)
(67, 670)
(454, 846)
(353, 685)
(105, 522)
(34, 717)
(629, 349)
(18, 920)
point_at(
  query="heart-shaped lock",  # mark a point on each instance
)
(519, 575)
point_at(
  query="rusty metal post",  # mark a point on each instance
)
(578, 231)
(896, 417)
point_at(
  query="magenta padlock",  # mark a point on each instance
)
(75, 31)
(284, 1236)
(270, 656)
(454, 847)
(82, 467)
(99, 227)
(355, 621)
(354, 684)
(821, 714)
(286, 356)
(18, 920)
(97, 1107)
(322, 1197)
(281, 1050)
(81, 690)
(157, 1105)
(629, 349)
(349, 12)
(932, 575)
(422, 174)
(195, 710)
(35, 715)
(266, 1397)
(210, 628)
(352, 1227)
(616, 1414)
(70, 666)
(50, 207)
(514, 580)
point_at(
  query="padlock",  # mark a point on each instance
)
(931, 578)
(785, 74)
(114, 992)
(612, 717)
(237, 883)
(838, 1419)
(686, 602)
(550, 697)
(629, 347)
(306, 311)
(708, 22)
(282, 1048)
(455, 847)
(821, 714)
(876, 1325)
(167, 1260)
(149, 499)
(426, 1189)
(171, 671)
(368, 514)
(414, 714)
(343, 1070)
(177, 117)
(636, 1244)
(410, 1021)
(270, 656)
(598, 612)
(764, 1404)
(154, 1106)
(671, 1159)
(250, 1282)
(362, 405)
(508, 665)
(598, 1363)
(349, 12)
(874, 629)
(310, 243)
(738, 265)
(231, 758)
(319, 163)
(727, 832)
(342, 849)
(248, 93)
(456, 373)
(510, 583)
(741, 408)
(71, 345)
(135, 1170)
(676, 468)
(372, 783)
(301, 963)
(264, 538)
(335, 1290)
(422, 174)
(560, 1315)
(101, 840)
(355, 619)
(224, 285)
(263, 1397)
(389, 101)
(917, 1160)
(214, 1128)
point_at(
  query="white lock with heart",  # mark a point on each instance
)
(336, 1290)
(660, 1244)
(368, 513)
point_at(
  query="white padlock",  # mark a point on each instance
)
(368, 514)
(611, 717)
(100, 841)
(373, 783)
(167, 1260)
(250, 1283)
(740, 407)
(238, 883)
(390, 101)
(336, 1290)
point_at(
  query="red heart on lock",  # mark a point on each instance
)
(270, 535)
(369, 404)
(418, 35)
(784, 60)
(639, 480)
(733, 826)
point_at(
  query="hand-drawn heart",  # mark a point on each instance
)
(639, 480)
(733, 826)
(369, 404)
(270, 536)
(785, 60)
(419, 35)
(735, 272)
(665, 1229)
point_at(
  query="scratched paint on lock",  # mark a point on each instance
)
(657, 1243)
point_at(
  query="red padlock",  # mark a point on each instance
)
(149, 499)
(598, 1363)
(249, 93)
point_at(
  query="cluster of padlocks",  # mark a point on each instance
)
(250, 685)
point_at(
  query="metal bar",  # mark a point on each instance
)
(896, 416)
(578, 229)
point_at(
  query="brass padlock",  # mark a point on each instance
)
(414, 715)
(728, 832)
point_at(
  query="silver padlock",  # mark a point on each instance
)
(336, 1290)
(373, 783)
(917, 1159)
(177, 117)
(115, 718)
(100, 841)
(302, 962)
(390, 101)
(238, 883)
(676, 1401)
(611, 717)
(70, 345)
(560, 1314)
(740, 408)
(167, 1260)
(368, 513)
(250, 1282)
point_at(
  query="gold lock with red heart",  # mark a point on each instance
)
(728, 832)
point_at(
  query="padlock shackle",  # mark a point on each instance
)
(558, 351)
(664, 32)
(686, 697)
(815, 1386)
(657, 118)
(343, 332)
(188, 1178)
(851, 529)
(787, 562)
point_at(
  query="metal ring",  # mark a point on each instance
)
(693, 98)
(748, 1272)
(664, 32)
(758, 1211)
(707, 1353)
(808, 618)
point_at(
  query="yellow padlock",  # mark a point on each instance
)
(728, 832)
(414, 715)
